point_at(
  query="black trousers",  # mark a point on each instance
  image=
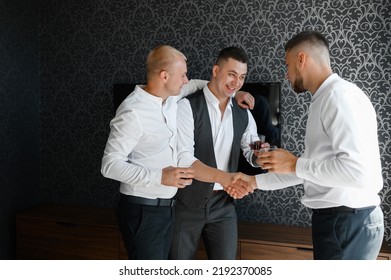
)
(146, 230)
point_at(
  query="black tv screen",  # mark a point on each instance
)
(266, 114)
(120, 92)
(269, 91)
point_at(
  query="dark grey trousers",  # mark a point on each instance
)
(216, 224)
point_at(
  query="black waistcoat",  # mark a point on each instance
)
(198, 193)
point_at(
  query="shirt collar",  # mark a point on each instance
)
(330, 79)
(212, 99)
(139, 89)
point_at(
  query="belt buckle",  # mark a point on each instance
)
(163, 203)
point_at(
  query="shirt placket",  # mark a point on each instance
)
(170, 120)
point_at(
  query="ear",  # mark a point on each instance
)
(301, 58)
(164, 75)
(215, 70)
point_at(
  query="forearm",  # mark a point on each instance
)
(205, 173)
(273, 181)
(332, 172)
(126, 172)
(192, 86)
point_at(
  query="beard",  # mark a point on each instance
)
(298, 85)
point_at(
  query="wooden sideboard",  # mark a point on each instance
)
(65, 232)
(277, 242)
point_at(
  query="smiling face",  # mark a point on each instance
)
(227, 78)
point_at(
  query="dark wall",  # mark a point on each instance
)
(87, 46)
(19, 116)
(58, 98)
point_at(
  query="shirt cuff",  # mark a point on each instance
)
(253, 160)
(301, 163)
(187, 162)
(156, 177)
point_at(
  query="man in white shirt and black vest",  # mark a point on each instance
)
(212, 131)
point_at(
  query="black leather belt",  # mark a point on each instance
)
(158, 202)
(341, 209)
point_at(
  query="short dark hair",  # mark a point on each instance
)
(233, 52)
(309, 36)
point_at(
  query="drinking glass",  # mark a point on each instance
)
(269, 149)
(256, 142)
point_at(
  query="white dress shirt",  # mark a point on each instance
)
(143, 141)
(222, 132)
(341, 162)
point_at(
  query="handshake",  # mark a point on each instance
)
(273, 160)
(237, 185)
(240, 185)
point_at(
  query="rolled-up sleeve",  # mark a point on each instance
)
(185, 124)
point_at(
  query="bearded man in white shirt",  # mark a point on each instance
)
(141, 153)
(340, 167)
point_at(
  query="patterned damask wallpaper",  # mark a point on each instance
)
(87, 46)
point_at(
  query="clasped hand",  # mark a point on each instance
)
(178, 177)
(238, 187)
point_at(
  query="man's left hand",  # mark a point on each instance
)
(245, 100)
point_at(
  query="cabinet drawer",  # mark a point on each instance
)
(45, 239)
(256, 251)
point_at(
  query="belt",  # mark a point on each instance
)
(158, 202)
(341, 209)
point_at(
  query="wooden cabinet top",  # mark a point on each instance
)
(104, 217)
(282, 235)
(271, 233)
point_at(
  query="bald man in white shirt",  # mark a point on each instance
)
(141, 153)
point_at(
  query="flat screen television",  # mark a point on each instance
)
(266, 112)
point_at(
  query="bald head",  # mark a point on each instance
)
(162, 58)
(313, 44)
